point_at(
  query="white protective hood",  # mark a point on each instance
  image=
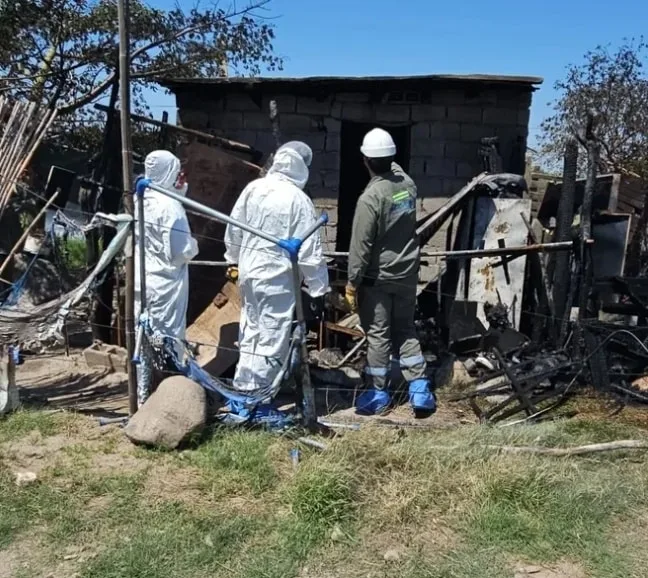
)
(169, 246)
(288, 164)
(275, 204)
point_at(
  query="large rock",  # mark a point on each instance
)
(176, 410)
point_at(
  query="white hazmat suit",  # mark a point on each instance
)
(277, 205)
(168, 248)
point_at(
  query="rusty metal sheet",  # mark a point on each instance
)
(216, 331)
(498, 223)
(216, 179)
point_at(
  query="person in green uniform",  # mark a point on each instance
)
(382, 277)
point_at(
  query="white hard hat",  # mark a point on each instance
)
(378, 144)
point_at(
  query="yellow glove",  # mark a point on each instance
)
(351, 298)
(232, 273)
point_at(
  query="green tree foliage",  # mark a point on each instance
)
(614, 85)
(64, 53)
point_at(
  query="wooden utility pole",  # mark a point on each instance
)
(127, 170)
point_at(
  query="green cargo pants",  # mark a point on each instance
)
(387, 317)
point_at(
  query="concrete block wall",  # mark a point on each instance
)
(445, 133)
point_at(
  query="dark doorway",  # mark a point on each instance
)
(353, 174)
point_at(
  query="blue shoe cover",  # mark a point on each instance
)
(372, 402)
(263, 414)
(420, 397)
(238, 408)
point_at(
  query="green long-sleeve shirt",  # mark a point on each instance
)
(384, 245)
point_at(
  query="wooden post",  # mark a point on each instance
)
(164, 131)
(9, 397)
(127, 169)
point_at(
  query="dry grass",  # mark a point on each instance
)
(378, 502)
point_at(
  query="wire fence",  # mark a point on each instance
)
(337, 269)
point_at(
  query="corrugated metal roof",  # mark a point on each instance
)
(349, 82)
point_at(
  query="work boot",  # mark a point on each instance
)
(373, 402)
(422, 398)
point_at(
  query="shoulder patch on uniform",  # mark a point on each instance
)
(402, 202)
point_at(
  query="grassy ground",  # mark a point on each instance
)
(377, 503)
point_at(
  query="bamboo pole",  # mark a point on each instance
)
(16, 147)
(15, 139)
(42, 130)
(7, 128)
(26, 233)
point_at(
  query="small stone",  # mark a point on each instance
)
(209, 541)
(392, 556)
(25, 478)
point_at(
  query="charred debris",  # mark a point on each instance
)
(530, 304)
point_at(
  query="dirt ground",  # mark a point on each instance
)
(62, 382)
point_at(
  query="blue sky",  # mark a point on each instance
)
(383, 37)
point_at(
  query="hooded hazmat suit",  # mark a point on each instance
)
(168, 247)
(275, 204)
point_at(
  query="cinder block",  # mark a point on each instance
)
(332, 142)
(500, 116)
(417, 167)
(357, 112)
(420, 130)
(295, 122)
(393, 113)
(440, 168)
(265, 141)
(514, 98)
(247, 137)
(326, 161)
(453, 186)
(241, 102)
(256, 121)
(473, 133)
(286, 103)
(428, 112)
(193, 118)
(427, 148)
(317, 191)
(467, 114)
(445, 130)
(462, 151)
(467, 170)
(359, 97)
(313, 106)
(523, 117)
(331, 179)
(226, 121)
(316, 141)
(108, 356)
(481, 98)
(454, 96)
(332, 125)
(332, 219)
(429, 187)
